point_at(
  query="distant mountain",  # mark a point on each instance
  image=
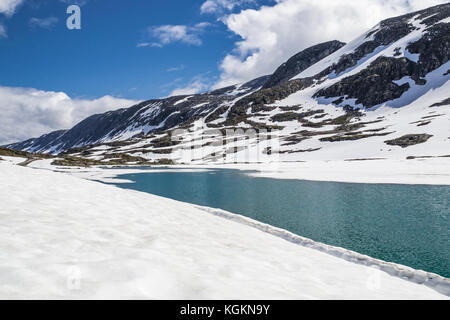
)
(161, 114)
(385, 94)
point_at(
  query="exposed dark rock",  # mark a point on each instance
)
(373, 85)
(320, 116)
(433, 48)
(289, 116)
(257, 101)
(393, 29)
(419, 157)
(163, 162)
(294, 139)
(365, 159)
(421, 123)
(300, 151)
(432, 116)
(159, 151)
(433, 15)
(409, 140)
(302, 61)
(165, 141)
(390, 31)
(123, 158)
(262, 126)
(350, 137)
(290, 108)
(445, 102)
(78, 162)
(338, 101)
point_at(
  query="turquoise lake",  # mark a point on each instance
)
(406, 224)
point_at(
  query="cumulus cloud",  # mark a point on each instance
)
(199, 83)
(46, 23)
(272, 34)
(8, 7)
(27, 113)
(167, 34)
(219, 6)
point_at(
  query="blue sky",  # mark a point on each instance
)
(116, 50)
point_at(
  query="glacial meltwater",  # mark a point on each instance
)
(405, 224)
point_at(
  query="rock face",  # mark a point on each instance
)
(319, 102)
(409, 140)
(442, 103)
(45, 143)
(375, 85)
(301, 61)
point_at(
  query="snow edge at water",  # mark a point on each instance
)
(429, 279)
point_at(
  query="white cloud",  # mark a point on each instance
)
(167, 34)
(198, 84)
(143, 44)
(177, 68)
(218, 6)
(27, 113)
(272, 34)
(8, 7)
(46, 23)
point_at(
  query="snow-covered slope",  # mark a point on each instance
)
(79, 239)
(383, 95)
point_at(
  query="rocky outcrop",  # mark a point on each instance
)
(433, 48)
(301, 61)
(391, 30)
(373, 85)
(409, 140)
(445, 102)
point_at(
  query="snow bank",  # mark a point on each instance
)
(65, 237)
(392, 171)
(429, 171)
(14, 160)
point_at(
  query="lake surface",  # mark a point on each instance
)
(406, 224)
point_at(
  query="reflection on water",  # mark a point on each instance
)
(406, 224)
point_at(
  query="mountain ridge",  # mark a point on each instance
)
(85, 135)
(388, 87)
